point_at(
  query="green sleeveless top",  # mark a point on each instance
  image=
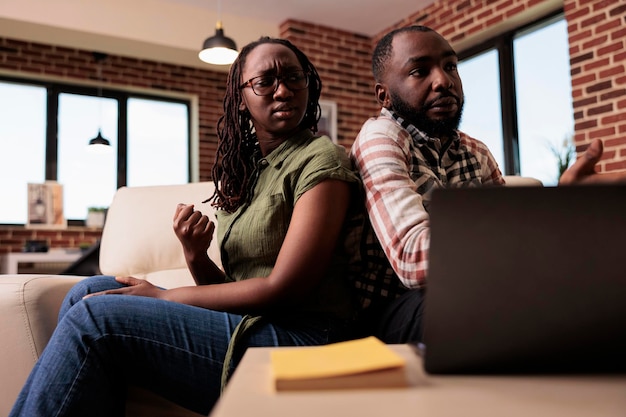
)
(251, 238)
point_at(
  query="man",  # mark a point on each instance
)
(411, 148)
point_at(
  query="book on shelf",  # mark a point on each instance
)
(354, 364)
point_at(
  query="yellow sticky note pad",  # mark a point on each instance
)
(344, 358)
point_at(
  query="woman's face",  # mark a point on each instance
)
(278, 114)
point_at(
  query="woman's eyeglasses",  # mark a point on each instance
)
(265, 85)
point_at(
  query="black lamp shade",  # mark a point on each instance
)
(219, 41)
(99, 140)
(218, 49)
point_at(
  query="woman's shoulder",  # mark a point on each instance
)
(323, 148)
(319, 158)
(323, 142)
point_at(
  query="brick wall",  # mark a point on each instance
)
(596, 34)
(597, 37)
(343, 61)
(72, 65)
(13, 238)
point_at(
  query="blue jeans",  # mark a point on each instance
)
(103, 344)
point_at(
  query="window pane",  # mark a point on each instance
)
(89, 178)
(158, 142)
(544, 99)
(482, 110)
(22, 147)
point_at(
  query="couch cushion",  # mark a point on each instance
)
(138, 238)
(29, 306)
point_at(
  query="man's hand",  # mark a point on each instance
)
(584, 170)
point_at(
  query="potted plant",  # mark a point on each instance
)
(95, 216)
(565, 154)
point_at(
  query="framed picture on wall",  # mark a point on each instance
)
(328, 122)
(45, 205)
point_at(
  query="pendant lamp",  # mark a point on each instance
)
(99, 141)
(218, 49)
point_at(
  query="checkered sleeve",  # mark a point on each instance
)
(490, 172)
(396, 210)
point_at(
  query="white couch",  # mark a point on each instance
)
(137, 240)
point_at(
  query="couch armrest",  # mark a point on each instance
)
(138, 238)
(29, 306)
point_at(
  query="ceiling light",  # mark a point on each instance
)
(99, 141)
(218, 49)
(99, 144)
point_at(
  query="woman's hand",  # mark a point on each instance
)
(134, 286)
(195, 232)
(193, 229)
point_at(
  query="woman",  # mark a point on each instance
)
(283, 198)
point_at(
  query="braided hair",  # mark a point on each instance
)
(238, 148)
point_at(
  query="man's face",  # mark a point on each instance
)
(421, 83)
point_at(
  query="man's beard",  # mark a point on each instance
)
(442, 128)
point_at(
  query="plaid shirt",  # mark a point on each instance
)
(400, 166)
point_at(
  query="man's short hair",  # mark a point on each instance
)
(382, 52)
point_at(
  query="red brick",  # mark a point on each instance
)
(578, 12)
(593, 20)
(601, 133)
(614, 118)
(612, 71)
(586, 124)
(606, 108)
(603, 85)
(597, 64)
(583, 80)
(585, 102)
(614, 47)
(599, 40)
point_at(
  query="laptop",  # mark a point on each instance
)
(526, 280)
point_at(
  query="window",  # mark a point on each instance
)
(88, 178)
(22, 146)
(45, 129)
(482, 101)
(544, 104)
(153, 146)
(518, 98)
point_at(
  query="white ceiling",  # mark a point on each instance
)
(173, 30)
(367, 17)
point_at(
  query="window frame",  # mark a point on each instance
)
(53, 91)
(503, 44)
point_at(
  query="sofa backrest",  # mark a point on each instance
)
(517, 181)
(138, 238)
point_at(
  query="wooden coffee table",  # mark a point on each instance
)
(250, 393)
